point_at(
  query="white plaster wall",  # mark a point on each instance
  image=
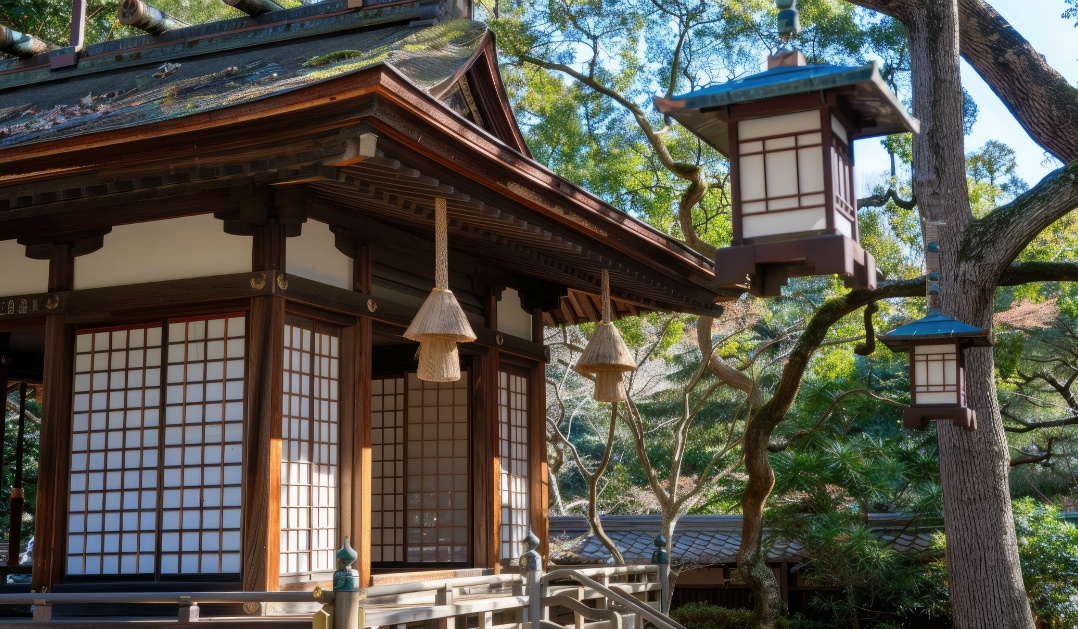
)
(314, 256)
(512, 318)
(20, 275)
(171, 249)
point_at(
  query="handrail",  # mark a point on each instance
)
(437, 584)
(163, 598)
(628, 602)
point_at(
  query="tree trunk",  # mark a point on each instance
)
(982, 554)
(751, 557)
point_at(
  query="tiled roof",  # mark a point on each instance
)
(131, 86)
(702, 540)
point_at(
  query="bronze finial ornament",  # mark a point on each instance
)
(788, 22)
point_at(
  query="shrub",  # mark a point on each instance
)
(700, 615)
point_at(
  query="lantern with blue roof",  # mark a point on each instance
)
(789, 135)
(937, 381)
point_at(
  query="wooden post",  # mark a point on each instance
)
(361, 437)
(55, 445)
(486, 470)
(538, 479)
(262, 446)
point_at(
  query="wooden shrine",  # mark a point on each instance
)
(211, 241)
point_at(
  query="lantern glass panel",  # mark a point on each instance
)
(935, 374)
(781, 175)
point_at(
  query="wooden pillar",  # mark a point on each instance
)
(262, 445)
(360, 419)
(539, 480)
(54, 464)
(486, 463)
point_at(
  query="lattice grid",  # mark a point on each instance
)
(202, 471)
(513, 448)
(156, 468)
(309, 513)
(436, 484)
(387, 460)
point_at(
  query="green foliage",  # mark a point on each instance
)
(992, 171)
(30, 462)
(699, 615)
(50, 20)
(1048, 548)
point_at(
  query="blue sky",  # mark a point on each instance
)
(1038, 21)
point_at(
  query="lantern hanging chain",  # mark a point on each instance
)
(441, 246)
(606, 296)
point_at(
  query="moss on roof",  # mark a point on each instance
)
(137, 95)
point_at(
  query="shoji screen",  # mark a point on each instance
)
(387, 460)
(309, 512)
(156, 467)
(513, 450)
(420, 493)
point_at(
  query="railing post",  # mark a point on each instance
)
(662, 558)
(444, 596)
(42, 610)
(347, 595)
(188, 611)
(532, 563)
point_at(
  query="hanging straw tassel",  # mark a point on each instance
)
(440, 323)
(606, 356)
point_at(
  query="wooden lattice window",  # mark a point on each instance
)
(387, 460)
(436, 483)
(156, 450)
(309, 512)
(513, 448)
(420, 494)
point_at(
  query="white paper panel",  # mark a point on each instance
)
(512, 318)
(781, 173)
(939, 348)
(314, 256)
(810, 169)
(193, 246)
(783, 222)
(752, 177)
(945, 397)
(778, 125)
(839, 130)
(20, 275)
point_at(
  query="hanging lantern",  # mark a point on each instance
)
(440, 323)
(606, 357)
(937, 380)
(789, 135)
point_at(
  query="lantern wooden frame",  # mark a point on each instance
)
(919, 414)
(850, 103)
(935, 329)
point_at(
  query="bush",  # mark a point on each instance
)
(701, 615)
(1048, 548)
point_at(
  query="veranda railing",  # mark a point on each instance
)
(579, 598)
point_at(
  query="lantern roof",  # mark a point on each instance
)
(935, 326)
(873, 107)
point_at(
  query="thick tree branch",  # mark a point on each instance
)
(1035, 458)
(880, 200)
(1041, 99)
(723, 370)
(1008, 229)
(1031, 426)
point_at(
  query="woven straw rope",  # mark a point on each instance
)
(606, 296)
(441, 245)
